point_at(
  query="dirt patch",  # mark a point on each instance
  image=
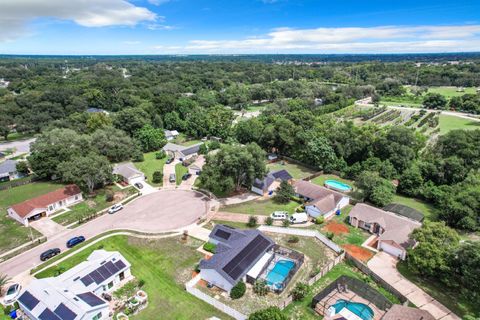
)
(360, 253)
(336, 228)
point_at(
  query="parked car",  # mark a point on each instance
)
(12, 293)
(115, 208)
(138, 185)
(50, 253)
(186, 176)
(172, 177)
(300, 217)
(279, 215)
(169, 160)
(74, 241)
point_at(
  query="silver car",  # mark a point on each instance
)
(12, 294)
(279, 215)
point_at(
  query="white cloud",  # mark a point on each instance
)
(159, 26)
(16, 14)
(356, 39)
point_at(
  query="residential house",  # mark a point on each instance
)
(182, 152)
(171, 134)
(8, 171)
(129, 173)
(78, 293)
(320, 201)
(400, 312)
(270, 182)
(393, 230)
(238, 254)
(46, 204)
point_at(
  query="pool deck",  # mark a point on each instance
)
(322, 306)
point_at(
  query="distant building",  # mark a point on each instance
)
(270, 182)
(97, 110)
(45, 205)
(77, 294)
(171, 134)
(129, 173)
(8, 171)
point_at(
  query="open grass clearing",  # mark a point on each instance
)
(13, 233)
(449, 92)
(149, 165)
(183, 140)
(448, 123)
(297, 171)
(427, 209)
(260, 207)
(165, 265)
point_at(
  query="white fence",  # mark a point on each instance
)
(190, 287)
(303, 232)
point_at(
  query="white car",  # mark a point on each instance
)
(12, 293)
(115, 208)
(279, 215)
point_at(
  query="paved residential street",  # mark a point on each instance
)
(20, 146)
(156, 212)
(385, 266)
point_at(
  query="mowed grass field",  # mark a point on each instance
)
(260, 207)
(426, 208)
(165, 265)
(150, 165)
(297, 171)
(448, 123)
(13, 233)
(449, 92)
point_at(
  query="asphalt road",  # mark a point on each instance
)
(21, 146)
(156, 212)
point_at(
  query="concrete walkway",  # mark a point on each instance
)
(384, 266)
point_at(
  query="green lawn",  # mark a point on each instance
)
(448, 297)
(150, 165)
(302, 310)
(427, 209)
(449, 92)
(13, 233)
(297, 171)
(183, 140)
(448, 123)
(164, 265)
(180, 170)
(260, 207)
(17, 136)
(92, 205)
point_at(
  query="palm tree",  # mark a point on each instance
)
(4, 279)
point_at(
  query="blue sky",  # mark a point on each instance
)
(237, 26)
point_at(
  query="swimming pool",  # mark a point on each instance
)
(337, 185)
(279, 273)
(361, 310)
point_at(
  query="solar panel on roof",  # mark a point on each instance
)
(120, 265)
(28, 300)
(246, 257)
(47, 314)
(87, 280)
(111, 267)
(91, 299)
(223, 234)
(64, 312)
(104, 272)
(96, 276)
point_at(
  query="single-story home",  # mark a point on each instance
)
(393, 230)
(8, 170)
(400, 312)
(270, 182)
(78, 293)
(171, 134)
(129, 173)
(182, 152)
(45, 205)
(236, 256)
(320, 201)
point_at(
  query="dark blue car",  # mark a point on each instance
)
(74, 241)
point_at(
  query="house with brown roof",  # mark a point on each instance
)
(393, 230)
(46, 204)
(320, 201)
(399, 312)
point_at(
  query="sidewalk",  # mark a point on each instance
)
(244, 197)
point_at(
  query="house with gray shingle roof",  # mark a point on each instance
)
(182, 152)
(8, 170)
(263, 186)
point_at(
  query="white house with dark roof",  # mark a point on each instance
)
(77, 293)
(238, 253)
(320, 201)
(393, 230)
(270, 182)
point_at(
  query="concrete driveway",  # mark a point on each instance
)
(384, 265)
(167, 170)
(157, 212)
(48, 227)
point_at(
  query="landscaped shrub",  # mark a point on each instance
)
(160, 154)
(260, 287)
(300, 291)
(320, 220)
(286, 223)
(238, 290)
(300, 209)
(210, 247)
(330, 235)
(293, 239)
(270, 313)
(109, 195)
(252, 221)
(157, 177)
(141, 283)
(197, 268)
(268, 221)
